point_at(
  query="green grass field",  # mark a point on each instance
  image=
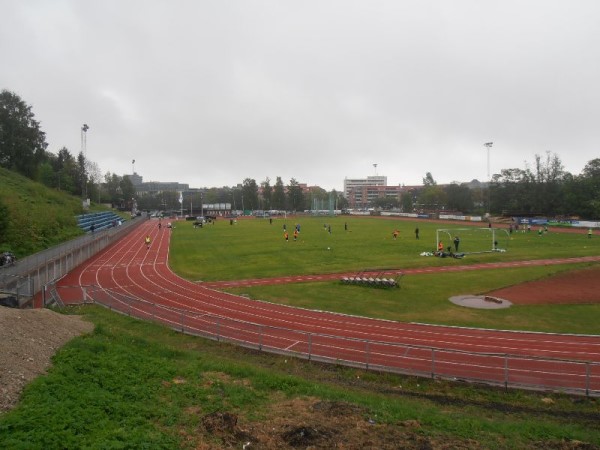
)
(254, 248)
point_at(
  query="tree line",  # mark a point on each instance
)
(545, 189)
(23, 149)
(248, 196)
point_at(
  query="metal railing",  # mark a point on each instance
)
(27, 276)
(506, 370)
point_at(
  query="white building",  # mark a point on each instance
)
(352, 183)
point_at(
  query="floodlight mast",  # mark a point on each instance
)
(488, 145)
(84, 129)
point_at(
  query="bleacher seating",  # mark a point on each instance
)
(101, 221)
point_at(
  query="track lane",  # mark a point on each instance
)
(128, 268)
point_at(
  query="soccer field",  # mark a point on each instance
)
(256, 248)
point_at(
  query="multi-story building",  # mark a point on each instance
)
(362, 192)
(351, 183)
(155, 187)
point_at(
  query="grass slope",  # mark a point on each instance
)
(39, 217)
(132, 384)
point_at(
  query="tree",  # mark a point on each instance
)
(432, 197)
(267, 193)
(582, 193)
(46, 175)
(279, 195)
(113, 188)
(295, 195)
(341, 201)
(4, 220)
(22, 143)
(428, 180)
(82, 177)
(66, 169)
(459, 197)
(94, 180)
(592, 169)
(250, 194)
(549, 175)
(127, 190)
(317, 198)
(386, 203)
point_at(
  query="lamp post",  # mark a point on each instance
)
(84, 129)
(488, 145)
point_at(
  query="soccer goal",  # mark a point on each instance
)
(473, 240)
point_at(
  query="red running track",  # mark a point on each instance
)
(137, 280)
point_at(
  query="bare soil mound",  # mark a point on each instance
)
(30, 337)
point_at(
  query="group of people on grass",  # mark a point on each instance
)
(441, 252)
(448, 251)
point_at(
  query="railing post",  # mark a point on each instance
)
(182, 326)
(309, 346)
(367, 354)
(587, 379)
(217, 331)
(260, 337)
(433, 363)
(506, 372)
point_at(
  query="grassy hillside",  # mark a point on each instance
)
(38, 217)
(133, 384)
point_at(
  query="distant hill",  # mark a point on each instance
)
(38, 217)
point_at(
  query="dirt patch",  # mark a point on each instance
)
(29, 338)
(312, 423)
(573, 287)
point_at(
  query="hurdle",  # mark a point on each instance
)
(367, 278)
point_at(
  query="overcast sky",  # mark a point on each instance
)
(212, 92)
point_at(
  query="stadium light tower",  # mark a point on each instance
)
(84, 129)
(488, 145)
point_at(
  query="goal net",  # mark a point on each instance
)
(472, 239)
